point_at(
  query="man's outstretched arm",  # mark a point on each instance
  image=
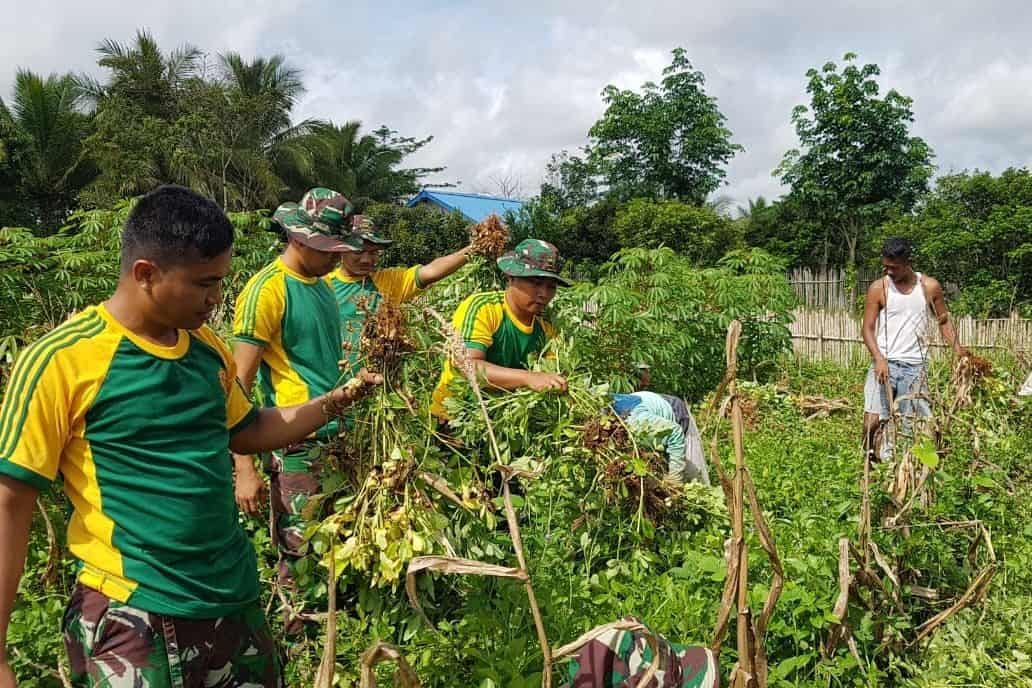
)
(439, 268)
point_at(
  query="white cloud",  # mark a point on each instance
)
(502, 86)
(997, 100)
(54, 36)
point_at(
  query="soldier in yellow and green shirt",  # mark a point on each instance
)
(135, 404)
(287, 332)
(503, 329)
(359, 286)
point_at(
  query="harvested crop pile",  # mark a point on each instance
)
(657, 497)
(384, 339)
(489, 238)
(605, 431)
(629, 475)
(968, 371)
(816, 406)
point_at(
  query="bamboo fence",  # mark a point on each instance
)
(830, 288)
(829, 335)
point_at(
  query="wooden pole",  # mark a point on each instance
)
(745, 658)
(744, 677)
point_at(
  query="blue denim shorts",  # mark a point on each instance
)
(904, 379)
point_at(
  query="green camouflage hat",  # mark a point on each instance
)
(362, 230)
(319, 221)
(533, 258)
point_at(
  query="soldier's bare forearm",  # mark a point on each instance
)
(502, 377)
(247, 357)
(440, 268)
(277, 427)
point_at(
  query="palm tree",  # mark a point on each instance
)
(270, 88)
(269, 78)
(143, 74)
(44, 114)
(134, 109)
(755, 205)
(364, 167)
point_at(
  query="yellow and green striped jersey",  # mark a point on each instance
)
(295, 319)
(357, 297)
(486, 322)
(140, 434)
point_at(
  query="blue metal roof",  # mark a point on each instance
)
(474, 207)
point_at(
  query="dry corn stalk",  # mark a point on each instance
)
(456, 566)
(381, 652)
(867, 577)
(975, 592)
(328, 663)
(840, 630)
(751, 669)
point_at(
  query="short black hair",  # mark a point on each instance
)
(897, 248)
(173, 225)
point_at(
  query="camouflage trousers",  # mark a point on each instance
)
(294, 477)
(114, 645)
(619, 659)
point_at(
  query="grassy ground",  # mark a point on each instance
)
(592, 563)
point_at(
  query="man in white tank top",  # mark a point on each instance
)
(895, 330)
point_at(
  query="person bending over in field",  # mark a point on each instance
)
(135, 403)
(359, 286)
(286, 331)
(895, 330)
(503, 329)
(669, 415)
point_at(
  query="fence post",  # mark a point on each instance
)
(820, 335)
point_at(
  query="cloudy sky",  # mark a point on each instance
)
(501, 86)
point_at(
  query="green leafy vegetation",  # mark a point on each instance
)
(593, 553)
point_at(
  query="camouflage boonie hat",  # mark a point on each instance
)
(362, 230)
(319, 221)
(533, 258)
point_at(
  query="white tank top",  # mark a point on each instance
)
(903, 323)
